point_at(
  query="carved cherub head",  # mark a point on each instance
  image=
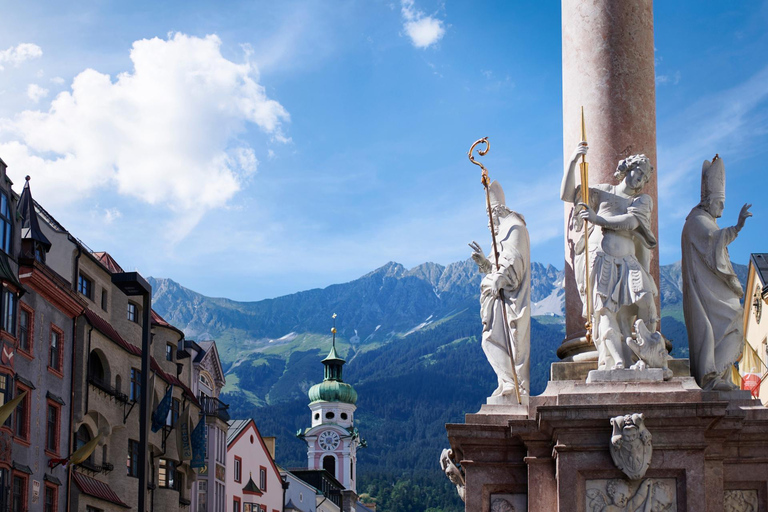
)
(618, 491)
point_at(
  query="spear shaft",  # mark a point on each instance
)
(487, 184)
(584, 167)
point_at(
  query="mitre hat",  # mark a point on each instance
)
(713, 179)
(497, 194)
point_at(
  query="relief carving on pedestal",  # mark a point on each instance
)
(740, 501)
(630, 445)
(509, 502)
(617, 495)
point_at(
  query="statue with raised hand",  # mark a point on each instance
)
(711, 290)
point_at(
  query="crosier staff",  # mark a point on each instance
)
(486, 184)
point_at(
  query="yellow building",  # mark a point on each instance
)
(756, 313)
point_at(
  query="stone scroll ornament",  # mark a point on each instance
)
(453, 471)
(630, 445)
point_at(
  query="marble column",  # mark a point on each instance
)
(608, 68)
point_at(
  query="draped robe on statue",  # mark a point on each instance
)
(515, 282)
(711, 294)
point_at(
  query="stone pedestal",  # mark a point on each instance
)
(608, 68)
(709, 448)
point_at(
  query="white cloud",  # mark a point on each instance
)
(57, 80)
(36, 93)
(110, 214)
(423, 30)
(15, 55)
(166, 132)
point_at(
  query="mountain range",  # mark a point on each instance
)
(411, 341)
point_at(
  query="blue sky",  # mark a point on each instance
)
(247, 151)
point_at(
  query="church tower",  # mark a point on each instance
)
(332, 440)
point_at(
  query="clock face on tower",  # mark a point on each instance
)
(328, 440)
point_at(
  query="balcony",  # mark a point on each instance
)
(214, 407)
(105, 387)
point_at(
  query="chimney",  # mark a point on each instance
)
(270, 444)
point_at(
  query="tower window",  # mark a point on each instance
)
(317, 415)
(329, 415)
(6, 225)
(343, 415)
(329, 464)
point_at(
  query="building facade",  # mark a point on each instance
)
(253, 480)
(209, 491)
(756, 320)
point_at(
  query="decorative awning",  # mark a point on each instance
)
(96, 488)
(252, 488)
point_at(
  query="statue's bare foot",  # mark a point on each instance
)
(618, 366)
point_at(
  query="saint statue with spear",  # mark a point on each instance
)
(505, 291)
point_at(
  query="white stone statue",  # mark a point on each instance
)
(621, 285)
(631, 448)
(616, 495)
(513, 279)
(453, 472)
(711, 290)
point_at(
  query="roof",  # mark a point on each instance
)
(360, 507)
(760, 261)
(251, 487)
(107, 330)
(109, 262)
(235, 427)
(97, 489)
(6, 273)
(30, 227)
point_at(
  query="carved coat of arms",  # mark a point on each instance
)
(630, 445)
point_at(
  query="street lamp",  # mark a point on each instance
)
(132, 284)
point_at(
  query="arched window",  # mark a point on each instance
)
(329, 464)
(96, 369)
(206, 381)
(6, 224)
(81, 439)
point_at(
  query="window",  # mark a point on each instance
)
(82, 437)
(19, 493)
(85, 286)
(166, 474)
(238, 469)
(21, 416)
(236, 504)
(51, 498)
(135, 384)
(173, 414)
(104, 299)
(9, 311)
(263, 479)
(206, 381)
(169, 352)
(133, 312)
(55, 357)
(25, 330)
(52, 428)
(133, 458)
(202, 495)
(5, 394)
(89, 508)
(6, 225)
(4, 475)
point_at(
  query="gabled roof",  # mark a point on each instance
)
(209, 352)
(235, 428)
